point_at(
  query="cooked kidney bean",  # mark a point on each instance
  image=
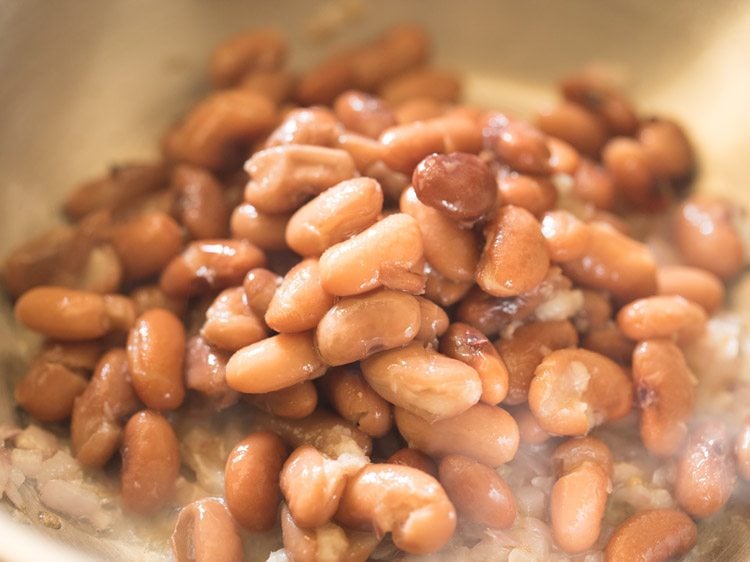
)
(485, 433)
(276, 85)
(469, 345)
(363, 113)
(150, 463)
(742, 449)
(294, 402)
(365, 151)
(210, 265)
(355, 401)
(662, 317)
(610, 342)
(426, 383)
(536, 194)
(260, 286)
(433, 322)
(418, 109)
(436, 84)
(206, 532)
(664, 389)
(594, 184)
(563, 159)
(200, 204)
(574, 390)
(706, 472)
(315, 126)
(48, 390)
(415, 459)
(243, 53)
(525, 350)
(458, 184)
(82, 356)
(251, 480)
(514, 259)
(386, 254)
(443, 291)
(274, 363)
(667, 149)
(567, 237)
(156, 350)
(299, 302)
(693, 283)
(529, 430)
(517, 143)
(230, 324)
(451, 250)
(656, 535)
(706, 236)
(575, 125)
(283, 177)
(147, 297)
(596, 311)
(205, 372)
(625, 159)
(479, 493)
(264, 230)
(333, 216)
(216, 132)
(616, 263)
(404, 501)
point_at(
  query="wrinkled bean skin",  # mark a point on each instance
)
(260, 286)
(205, 532)
(517, 144)
(355, 401)
(695, 284)
(386, 254)
(742, 449)
(48, 390)
(616, 263)
(316, 126)
(426, 383)
(662, 317)
(575, 125)
(333, 216)
(300, 302)
(264, 230)
(451, 250)
(402, 500)
(574, 390)
(485, 433)
(703, 232)
(156, 350)
(536, 194)
(356, 327)
(415, 459)
(514, 259)
(294, 402)
(467, 344)
(251, 481)
(95, 423)
(205, 372)
(150, 463)
(478, 492)
(244, 53)
(459, 185)
(706, 472)
(363, 113)
(655, 535)
(200, 204)
(230, 324)
(667, 149)
(274, 363)
(664, 387)
(528, 346)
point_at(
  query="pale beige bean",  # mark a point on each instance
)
(443, 291)
(251, 481)
(356, 327)
(216, 132)
(525, 350)
(294, 402)
(706, 472)
(355, 401)
(437, 84)
(567, 237)
(333, 216)
(206, 532)
(693, 283)
(575, 390)
(342, 545)
(156, 350)
(363, 113)
(96, 420)
(426, 383)
(210, 265)
(655, 535)
(664, 387)
(467, 344)
(246, 52)
(150, 463)
(264, 230)
(274, 363)
(451, 250)
(575, 125)
(433, 322)
(200, 204)
(514, 259)
(404, 501)
(315, 126)
(48, 390)
(536, 194)
(485, 433)
(260, 286)
(205, 372)
(616, 263)
(284, 177)
(300, 302)
(230, 324)
(662, 317)
(385, 254)
(415, 459)
(479, 493)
